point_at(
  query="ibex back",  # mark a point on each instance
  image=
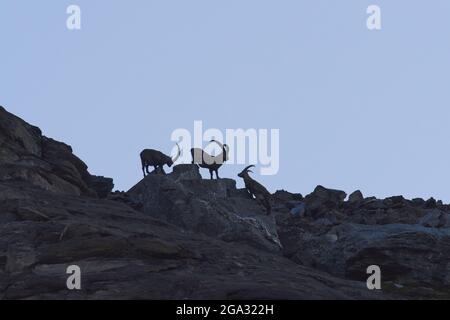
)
(156, 159)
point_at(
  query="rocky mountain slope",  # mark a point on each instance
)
(177, 236)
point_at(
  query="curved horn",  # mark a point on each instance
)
(220, 144)
(247, 168)
(178, 155)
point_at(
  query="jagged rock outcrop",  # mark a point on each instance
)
(27, 155)
(211, 207)
(406, 238)
(141, 244)
(127, 254)
(177, 236)
(101, 185)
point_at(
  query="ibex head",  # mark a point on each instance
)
(245, 171)
(225, 149)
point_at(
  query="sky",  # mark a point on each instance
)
(356, 109)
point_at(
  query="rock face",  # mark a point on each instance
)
(101, 185)
(27, 155)
(211, 207)
(407, 254)
(170, 237)
(127, 254)
(409, 241)
(177, 236)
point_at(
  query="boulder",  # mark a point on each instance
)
(186, 172)
(323, 200)
(430, 203)
(418, 202)
(356, 196)
(329, 194)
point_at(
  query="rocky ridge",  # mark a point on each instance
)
(177, 236)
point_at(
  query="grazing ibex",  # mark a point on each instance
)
(157, 159)
(256, 190)
(207, 161)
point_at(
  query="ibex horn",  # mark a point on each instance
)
(178, 155)
(246, 169)
(220, 144)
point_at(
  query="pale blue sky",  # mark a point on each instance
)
(356, 109)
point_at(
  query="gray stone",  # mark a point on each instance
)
(299, 210)
(177, 236)
(436, 219)
(406, 254)
(101, 185)
(329, 194)
(322, 200)
(211, 207)
(27, 155)
(356, 196)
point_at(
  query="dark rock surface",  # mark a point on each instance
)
(128, 254)
(101, 185)
(214, 208)
(27, 155)
(408, 240)
(177, 236)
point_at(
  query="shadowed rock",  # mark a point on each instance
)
(27, 155)
(211, 207)
(101, 185)
(177, 236)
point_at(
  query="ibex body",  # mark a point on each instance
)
(207, 161)
(256, 190)
(156, 159)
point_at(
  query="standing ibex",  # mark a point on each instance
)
(207, 161)
(157, 159)
(256, 190)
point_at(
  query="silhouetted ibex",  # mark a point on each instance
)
(207, 161)
(256, 190)
(157, 159)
